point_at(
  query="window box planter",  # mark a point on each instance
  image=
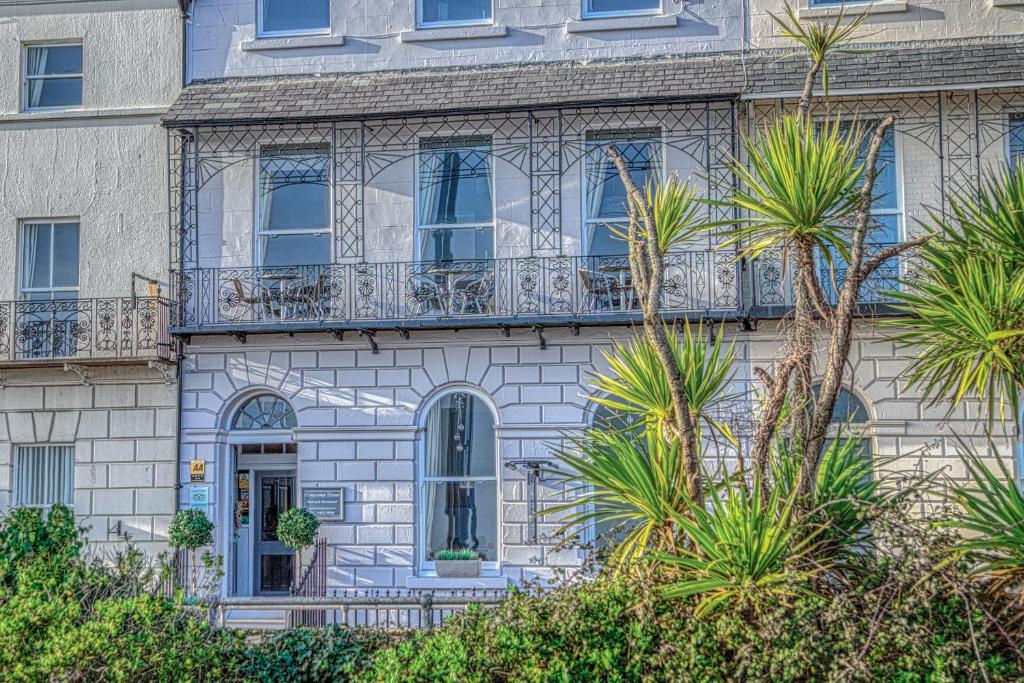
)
(457, 569)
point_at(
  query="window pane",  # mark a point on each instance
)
(462, 515)
(55, 92)
(1016, 137)
(443, 11)
(45, 475)
(265, 411)
(294, 192)
(456, 244)
(296, 15)
(54, 60)
(623, 5)
(35, 255)
(460, 438)
(295, 250)
(454, 185)
(601, 241)
(65, 255)
(606, 195)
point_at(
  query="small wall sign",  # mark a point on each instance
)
(197, 470)
(199, 498)
(326, 504)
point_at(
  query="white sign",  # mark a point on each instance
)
(199, 498)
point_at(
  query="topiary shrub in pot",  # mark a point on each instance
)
(191, 529)
(297, 528)
(457, 564)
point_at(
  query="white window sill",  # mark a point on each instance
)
(853, 10)
(426, 35)
(622, 23)
(435, 583)
(292, 43)
(80, 114)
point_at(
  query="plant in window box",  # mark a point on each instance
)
(297, 528)
(457, 564)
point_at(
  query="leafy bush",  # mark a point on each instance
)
(309, 655)
(190, 529)
(297, 528)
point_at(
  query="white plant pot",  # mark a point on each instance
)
(457, 569)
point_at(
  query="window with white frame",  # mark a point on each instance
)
(1015, 146)
(293, 17)
(48, 260)
(455, 200)
(293, 207)
(851, 416)
(606, 215)
(452, 12)
(53, 77)
(619, 8)
(44, 475)
(459, 488)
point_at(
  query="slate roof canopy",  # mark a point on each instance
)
(728, 75)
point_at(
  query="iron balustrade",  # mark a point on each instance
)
(773, 277)
(112, 329)
(445, 293)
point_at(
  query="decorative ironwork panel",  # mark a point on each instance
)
(959, 142)
(348, 191)
(546, 181)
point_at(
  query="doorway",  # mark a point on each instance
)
(273, 562)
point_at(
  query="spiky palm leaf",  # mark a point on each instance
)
(679, 214)
(819, 39)
(800, 184)
(636, 384)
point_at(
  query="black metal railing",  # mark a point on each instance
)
(773, 277)
(311, 584)
(499, 290)
(85, 329)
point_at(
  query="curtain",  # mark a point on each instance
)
(268, 180)
(435, 440)
(45, 475)
(36, 66)
(29, 253)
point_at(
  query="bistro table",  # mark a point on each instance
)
(620, 269)
(452, 275)
(276, 289)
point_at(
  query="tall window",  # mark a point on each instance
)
(53, 77)
(455, 200)
(613, 8)
(459, 489)
(293, 207)
(605, 196)
(1016, 141)
(48, 258)
(453, 12)
(44, 475)
(293, 17)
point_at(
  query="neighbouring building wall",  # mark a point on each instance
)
(361, 427)
(896, 20)
(373, 36)
(122, 427)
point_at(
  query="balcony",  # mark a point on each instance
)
(123, 330)
(559, 290)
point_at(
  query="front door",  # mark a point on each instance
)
(274, 563)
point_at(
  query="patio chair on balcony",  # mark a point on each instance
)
(477, 295)
(424, 295)
(601, 292)
(239, 302)
(306, 300)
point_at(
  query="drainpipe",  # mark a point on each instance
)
(183, 8)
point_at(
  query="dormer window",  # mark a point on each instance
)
(293, 17)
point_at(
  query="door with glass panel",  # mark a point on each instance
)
(454, 272)
(48, 311)
(275, 563)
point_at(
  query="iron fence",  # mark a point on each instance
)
(509, 289)
(85, 329)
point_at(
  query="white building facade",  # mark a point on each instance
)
(88, 393)
(392, 284)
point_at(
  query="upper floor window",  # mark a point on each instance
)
(293, 17)
(44, 475)
(455, 200)
(616, 8)
(293, 207)
(49, 260)
(53, 77)
(453, 12)
(1016, 141)
(606, 211)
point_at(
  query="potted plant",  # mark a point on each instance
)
(457, 564)
(190, 529)
(296, 528)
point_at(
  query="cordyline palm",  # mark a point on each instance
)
(966, 300)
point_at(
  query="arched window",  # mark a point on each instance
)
(851, 415)
(265, 411)
(460, 484)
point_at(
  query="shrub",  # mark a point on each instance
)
(309, 655)
(190, 529)
(297, 527)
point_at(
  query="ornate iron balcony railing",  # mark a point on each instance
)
(447, 294)
(773, 277)
(115, 330)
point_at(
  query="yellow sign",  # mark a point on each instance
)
(197, 468)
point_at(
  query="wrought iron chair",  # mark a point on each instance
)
(255, 303)
(477, 295)
(306, 300)
(423, 295)
(600, 292)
